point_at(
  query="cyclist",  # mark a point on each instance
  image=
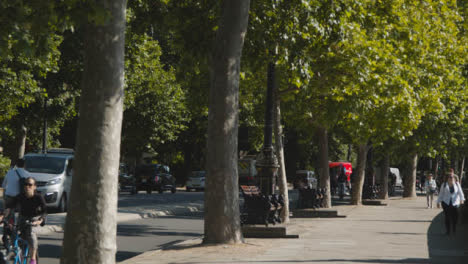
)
(32, 214)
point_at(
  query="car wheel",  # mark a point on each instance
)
(188, 189)
(161, 190)
(148, 190)
(63, 203)
(173, 190)
(133, 191)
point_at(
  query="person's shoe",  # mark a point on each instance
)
(33, 261)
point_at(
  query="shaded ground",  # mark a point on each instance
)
(448, 249)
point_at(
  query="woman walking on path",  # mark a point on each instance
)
(430, 187)
(451, 196)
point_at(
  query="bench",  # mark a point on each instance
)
(311, 198)
(259, 208)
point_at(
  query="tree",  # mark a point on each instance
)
(154, 100)
(90, 230)
(222, 219)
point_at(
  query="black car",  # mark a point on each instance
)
(126, 180)
(154, 177)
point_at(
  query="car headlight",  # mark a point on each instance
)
(54, 181)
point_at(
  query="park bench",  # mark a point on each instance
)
(259, 208)
(311, 197)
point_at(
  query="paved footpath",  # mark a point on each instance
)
(402, 232)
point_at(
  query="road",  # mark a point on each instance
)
(134, 238)
(138, 236)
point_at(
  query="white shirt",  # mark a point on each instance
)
(456, 196)
(430, 185)
(11, 181)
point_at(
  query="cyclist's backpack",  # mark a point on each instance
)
(21, 181)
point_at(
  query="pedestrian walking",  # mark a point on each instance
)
(452, 173)
(450, 196)
(11, 183)
(430, 187)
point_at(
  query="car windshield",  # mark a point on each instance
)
(197, 174)
(51, 165)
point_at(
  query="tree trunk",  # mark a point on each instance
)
(324, 172)
(90, 230)
(282, 181)
(410, 181)
(436, 167)
(462, 168)
(21, 141)
(384, 177)
(356, 197)
(350, 150)
(222, 219)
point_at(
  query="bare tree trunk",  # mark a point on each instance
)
(350, 150)
(384, 174)
(278, 131)
(222, 220)
(462, 169)
(356, 197)
(21, 141)
(324, 172)
(410, 182)
(90, 230)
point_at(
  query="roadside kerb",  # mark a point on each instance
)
(56, 222)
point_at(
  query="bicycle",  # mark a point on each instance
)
(18, 251)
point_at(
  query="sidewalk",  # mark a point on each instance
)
(402, 232)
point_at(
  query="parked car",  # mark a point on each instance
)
(53, 174)
(126, 180)
(154, 177)
(196, 181)
(305, 178)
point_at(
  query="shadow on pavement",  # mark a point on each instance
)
(451, 249)
(406, 261)
(49, 251)
(146, 230)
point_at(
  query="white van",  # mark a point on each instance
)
(53, 174)
(398, 182)
(395, 171)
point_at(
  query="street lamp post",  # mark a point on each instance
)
(267, 163)
(44, 131)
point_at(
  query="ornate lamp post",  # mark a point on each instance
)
(267, 163)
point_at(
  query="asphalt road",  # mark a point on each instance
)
(135, 237)
(143, 199)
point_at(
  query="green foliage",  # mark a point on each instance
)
(4, 166)
(154, 112)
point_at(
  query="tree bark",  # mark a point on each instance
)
(462, 168)
(356, 197)
(350, 150)
(282, 180)
(90, 229)
(222, 219)
(324, 172)
(21, 141)
(384, 177)
(410, 181)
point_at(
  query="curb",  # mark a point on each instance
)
(124, 216)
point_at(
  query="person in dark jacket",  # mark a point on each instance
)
(32, 215)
